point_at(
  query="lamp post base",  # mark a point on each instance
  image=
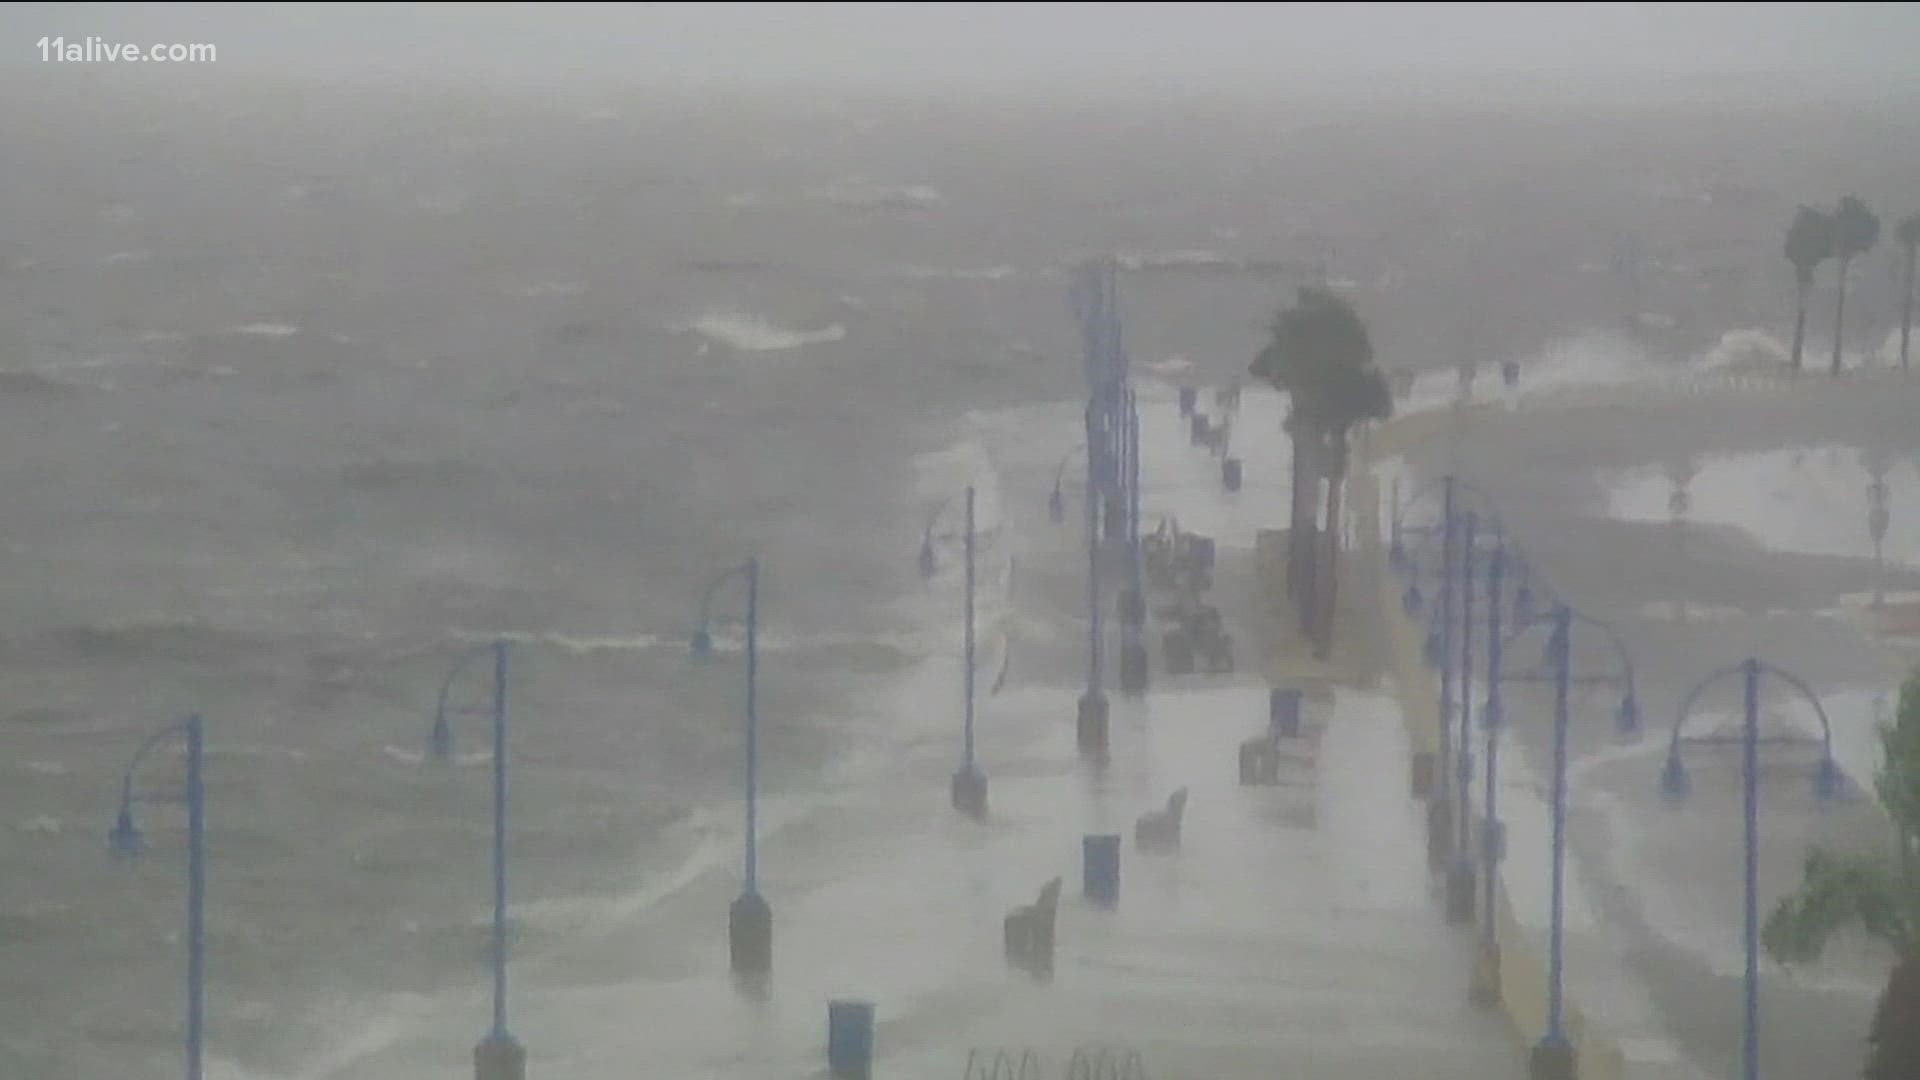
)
(850, 1040)
(1461, 884)
(499, 1056)
(1420, 780)
(1091, 727)
(970, 793)
(1133, 667)
(1483, 985)
(1439, 831)
(750, 934)
(1551, 1059)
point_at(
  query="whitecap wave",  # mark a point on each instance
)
(752, 333)
(266, 329)
(419, 757)
(1172, 365)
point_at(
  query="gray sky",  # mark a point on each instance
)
(983, 46)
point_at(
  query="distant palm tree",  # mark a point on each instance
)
(1877, 893)
(1855, 231)
(1909, 236)
(1321, 357)
(1809, 243)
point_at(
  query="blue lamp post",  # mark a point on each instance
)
(1460, 874)
(1091, 723)
(1552, 1057)
(1674, 784)
(1440, 806)
(969, 783)
(499, 1056)
(1485, 987)
(750, 918)
(125, 841)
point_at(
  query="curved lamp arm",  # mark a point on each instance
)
(124, 838)
(702, 638)
(440, 737)
(1673, 778)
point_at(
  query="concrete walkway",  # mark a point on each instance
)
(1292, 934)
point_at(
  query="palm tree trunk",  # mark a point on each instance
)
(1329, 591)
(1906, 308)
(1800, 324)
(1301, 534)
(1839, 316)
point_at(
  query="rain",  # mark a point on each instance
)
(994, 542)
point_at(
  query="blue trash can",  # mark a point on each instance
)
(1102, 871)
(1189, 398)
(1283, 712)
(850, 1039)
(1230, 474)
(1203, 551)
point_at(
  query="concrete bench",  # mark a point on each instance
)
(1029, 932)
(1159, 830)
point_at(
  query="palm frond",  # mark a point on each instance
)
(1837, 891)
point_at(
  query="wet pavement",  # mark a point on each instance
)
(1293, 932)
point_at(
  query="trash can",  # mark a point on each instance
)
(1189, 397)
(850, 1039)
(1101, 855)
(1283, 712)
(1230, 474)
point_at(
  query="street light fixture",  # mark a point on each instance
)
(1627, 720)
(750, 917)
(1674, 784)
(498, 1056)
(125, 841)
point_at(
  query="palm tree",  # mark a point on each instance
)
(1809, 242)
(1321, 357)
(1877, 893)
(1855, 231)
(1909, 235)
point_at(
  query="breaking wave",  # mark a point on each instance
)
(266, 329)
(1744, 350)
(751, 333)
